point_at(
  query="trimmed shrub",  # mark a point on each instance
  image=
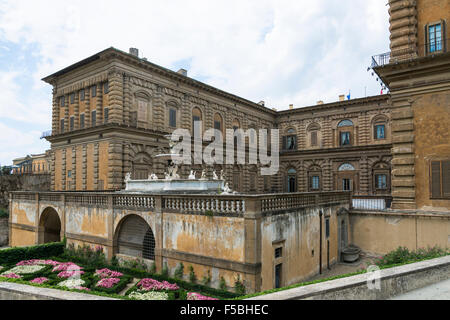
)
(11, 256)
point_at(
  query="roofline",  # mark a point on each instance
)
(335, 104)
(49, 79)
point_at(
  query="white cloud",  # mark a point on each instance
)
(279, 51)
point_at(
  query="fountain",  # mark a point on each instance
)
(173, 183)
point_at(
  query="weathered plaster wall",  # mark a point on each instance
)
(381, 233)
(32, 182)
(298, 233)
(4, 231)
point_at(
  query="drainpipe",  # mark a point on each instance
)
(320, 251)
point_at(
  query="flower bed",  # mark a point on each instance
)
(197, 296)
(39, 280)
(155, 285)
(106, 273)
(150, 295)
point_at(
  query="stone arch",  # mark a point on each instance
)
(49, 226)
(134, 237)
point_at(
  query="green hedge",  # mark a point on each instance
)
(13, 255)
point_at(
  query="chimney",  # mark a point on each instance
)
(182, 72)
(274, 109)
(291, 106)
(262, 103)
(134, 52)
(319, 102)
(342, 97)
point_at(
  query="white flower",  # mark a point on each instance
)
(149, 295)
(25, 269)
(71, 283)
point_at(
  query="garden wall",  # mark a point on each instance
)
(4, 231)
(382, 232)
(393, 282)
(29, 182)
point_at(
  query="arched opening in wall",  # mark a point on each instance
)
(345, 133)
(381, 178)
(314, 179)
(49, 226)
(313, 135)
(141, 166)
(379, 124)
(218, 123)
(347, 178)
(135, 238)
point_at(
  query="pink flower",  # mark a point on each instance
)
(67, 266)
(37, 262)
(39, 280)
(11, 276)
(108, 282)
(70, 274)
(151, 284)
(82, 288)
(197, 296)
(106, 273)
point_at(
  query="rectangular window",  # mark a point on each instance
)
(62, 101)
(440, 179)
(381, 181)
(346, 183)
(327, 227)
(93, 118)
(380, 131)
(72, 98)
(61, 127)
(435, 36)
(106, 88)
(105, 114)
(290, 143)
(72, 121)
(217, 125)
(94, 91)
(345, 138)
(278, 275)
(173, 118)
(315, 183)
(82, 94)
(69, 174)
(314, 138)
(278, 253)
(82, 121)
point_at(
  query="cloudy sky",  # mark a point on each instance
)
(283, 52)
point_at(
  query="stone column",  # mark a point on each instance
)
(327, 176)
(126, 162)
(115, 97)
(99, 104)
(115, 165)
(84, 187)
(73, 187)
(52, 170)
(403, 173)
(63, 170)
(66, 113)
(76, 111)
(55, 113)
(96, 165)
(364, 176)
(87, 109)
(159, 110)
(159, 233)
(186, 115)
(127, 100)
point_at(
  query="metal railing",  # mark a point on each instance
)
(411, 52)
(46, 134)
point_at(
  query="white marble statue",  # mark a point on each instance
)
(222, 177)
(227, 189)
(128, 177)
(153, 177)
(192, 175)
(215, 177)
(203, 177)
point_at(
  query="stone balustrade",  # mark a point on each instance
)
(186, 203)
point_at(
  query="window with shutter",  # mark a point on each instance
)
(314, 138)
(93, 118)
(82, 121)
(72, 121)
(61, 126)
(105, 114)
(440, 179)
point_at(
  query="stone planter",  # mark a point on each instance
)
(351, 254)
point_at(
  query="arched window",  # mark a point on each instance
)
(345, 129)
(379, 127)
(292, 180)
(290, 140)
(196, 117)
(135, 238)
(381, 177)
(315, 179)
(345, 123)
(313, 131)
(346, 167)
(172, 111)
(218, 122)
